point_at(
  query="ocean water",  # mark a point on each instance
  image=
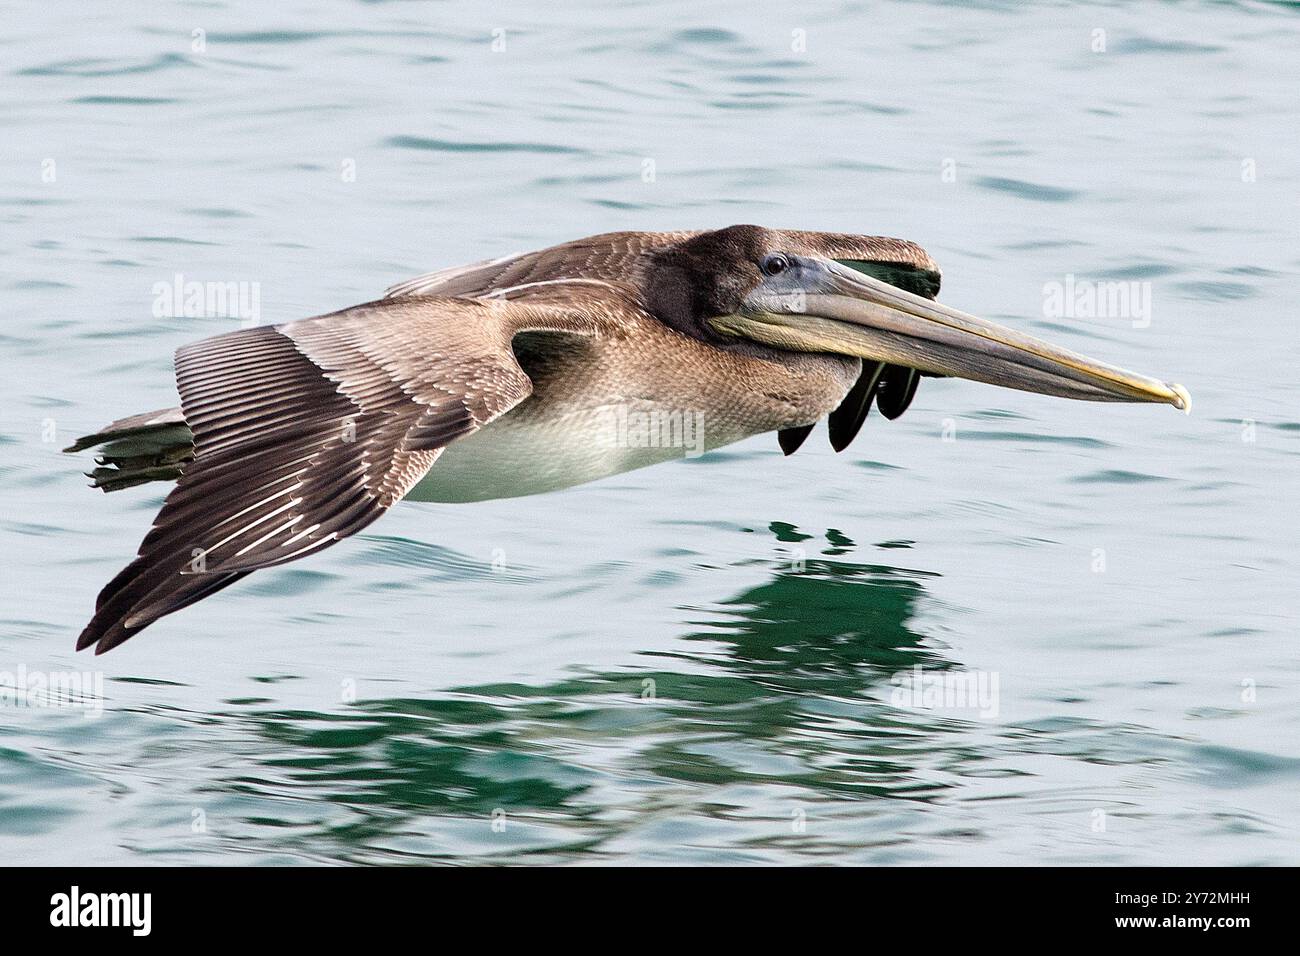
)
(705, 662)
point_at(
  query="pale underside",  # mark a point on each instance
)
(564, 447)
(603, 406)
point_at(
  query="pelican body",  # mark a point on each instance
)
(535, 372)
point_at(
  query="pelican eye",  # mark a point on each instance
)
(774, 264)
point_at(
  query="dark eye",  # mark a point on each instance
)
(774, 264)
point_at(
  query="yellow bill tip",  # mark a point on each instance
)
(1184, 401)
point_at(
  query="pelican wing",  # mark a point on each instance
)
(307, 432)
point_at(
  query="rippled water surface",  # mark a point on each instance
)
(695, 663)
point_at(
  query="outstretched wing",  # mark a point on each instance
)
(307, 432)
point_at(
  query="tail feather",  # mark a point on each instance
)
(154, 446)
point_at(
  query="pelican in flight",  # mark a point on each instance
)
(521, 375)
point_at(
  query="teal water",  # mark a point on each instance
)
(695, 663)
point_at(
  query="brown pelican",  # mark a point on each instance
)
(519, 375)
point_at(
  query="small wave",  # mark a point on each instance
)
(1116, 476)
(467, 146)
(1027, 190)
(1217, 291)
(91, 67)
(124, 100)
(1078, 441)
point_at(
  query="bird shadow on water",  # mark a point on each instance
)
(780, 689)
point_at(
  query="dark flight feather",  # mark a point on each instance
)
(791, 438)
(897, 388)
(845, 422)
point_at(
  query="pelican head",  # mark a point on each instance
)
(872, 298)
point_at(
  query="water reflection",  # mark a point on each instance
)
(778, 685)
(825, 627)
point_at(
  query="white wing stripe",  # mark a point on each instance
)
(499, 293)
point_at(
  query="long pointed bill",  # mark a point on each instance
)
(854, 314)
